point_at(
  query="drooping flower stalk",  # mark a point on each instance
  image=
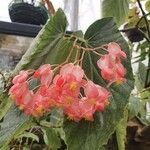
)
(69, 89)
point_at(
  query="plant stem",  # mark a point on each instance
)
(148, 70)
(144, 17)
(82, 56)
(141, 19)
(148, 31)
(147, 38)
(50, 6)
(97, 53)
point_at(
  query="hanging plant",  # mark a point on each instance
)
(31, 13)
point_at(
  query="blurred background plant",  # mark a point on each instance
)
(30, 11)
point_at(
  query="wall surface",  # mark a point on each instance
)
(11, 50)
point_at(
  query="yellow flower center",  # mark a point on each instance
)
(92, 101)
(38, 111)
(21, 107)
(13, 97)
(118, 82)
(73, 86)
(69, 100)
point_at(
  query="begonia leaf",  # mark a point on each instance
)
(92, 135)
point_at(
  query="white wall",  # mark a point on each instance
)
(4, 10)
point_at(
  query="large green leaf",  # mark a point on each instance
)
(5, 104)
(44, 43)
(91, 135)
(115, 8)
(14, 123)
(61, 51)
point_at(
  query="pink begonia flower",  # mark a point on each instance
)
(72, 70)
(44, 69)
(66, 85)
(110, 64)
(96, 95)
(26, 99)
(45, 74)
(22, 77)
(37, 106)
(18, 90)
(62, 91)
(40, 102)
(73, 112)
(87, 109)
(70, 79)
(107, 67)
(115, 51)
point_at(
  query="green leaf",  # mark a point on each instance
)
(87, 135)
(135, 106)
(56, 117)
(44, 43)
(5, 104)
(33, 83)
(60, 52)
(51, 138)
(147, 5)
(142, 72)
(13, 124)
(121, 131)
(115, 8)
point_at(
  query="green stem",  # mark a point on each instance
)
(144, 17)
(147, 38)
(141, 19)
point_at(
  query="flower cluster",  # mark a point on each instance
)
(110, 64)
(68, 90)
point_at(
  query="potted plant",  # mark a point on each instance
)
(30, 12)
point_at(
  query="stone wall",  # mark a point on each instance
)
(11, 50)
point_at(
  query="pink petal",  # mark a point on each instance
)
(22, 77)
(70, 69)
(46, 79)
(91, 90)
(115, 50)
(105, 62)
(44, 69)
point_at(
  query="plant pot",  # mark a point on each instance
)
(134, 35)
(28, 13)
